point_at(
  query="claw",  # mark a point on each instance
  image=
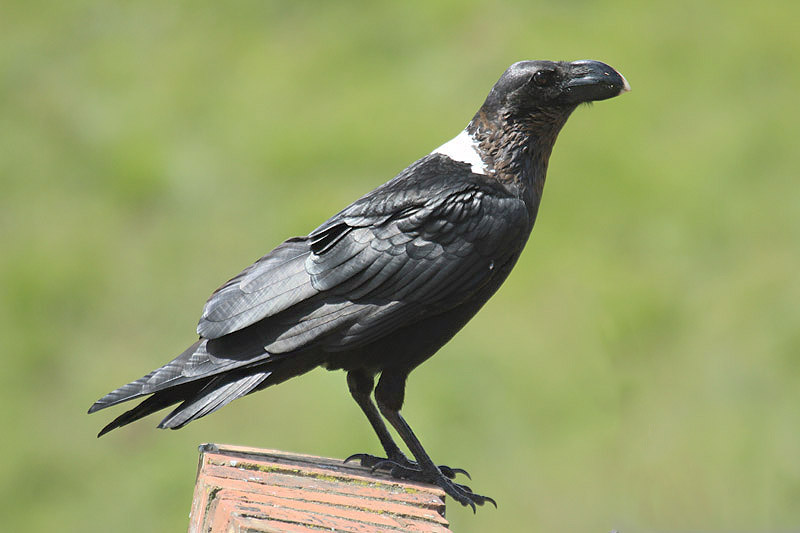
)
(359, 456)
(461, 471)
(384, 464)
(451, 472)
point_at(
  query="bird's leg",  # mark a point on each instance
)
(389, 396)
(361, 385)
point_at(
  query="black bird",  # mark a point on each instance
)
(386, 282)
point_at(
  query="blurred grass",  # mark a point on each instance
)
(638, 371)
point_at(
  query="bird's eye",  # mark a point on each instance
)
(543, 78)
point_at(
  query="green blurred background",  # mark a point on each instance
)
(639, 370)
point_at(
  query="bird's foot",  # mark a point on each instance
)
(400, 466)
(443, 477)
(462, 493)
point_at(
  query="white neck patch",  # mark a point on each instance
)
(464, 149)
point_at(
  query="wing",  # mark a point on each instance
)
(270, 285)
(418, 245)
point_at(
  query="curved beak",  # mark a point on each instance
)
(591, 81)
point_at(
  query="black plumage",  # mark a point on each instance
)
(383, 284)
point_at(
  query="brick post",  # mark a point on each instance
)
(250, 490)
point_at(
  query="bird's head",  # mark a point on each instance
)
(530, 86)
(516, 127)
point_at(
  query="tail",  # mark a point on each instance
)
(202, 383)
(198, 398)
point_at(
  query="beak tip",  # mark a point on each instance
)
(626, 87)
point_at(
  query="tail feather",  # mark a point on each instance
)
(156, 402)
(202, 382)
(194, 364)
(123, 394)
(164, 376)
(217, 393)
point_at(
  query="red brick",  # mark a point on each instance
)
(250, 490)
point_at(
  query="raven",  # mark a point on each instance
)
(379, 287)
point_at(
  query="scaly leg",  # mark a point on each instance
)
(361, 385)
(389, 396)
